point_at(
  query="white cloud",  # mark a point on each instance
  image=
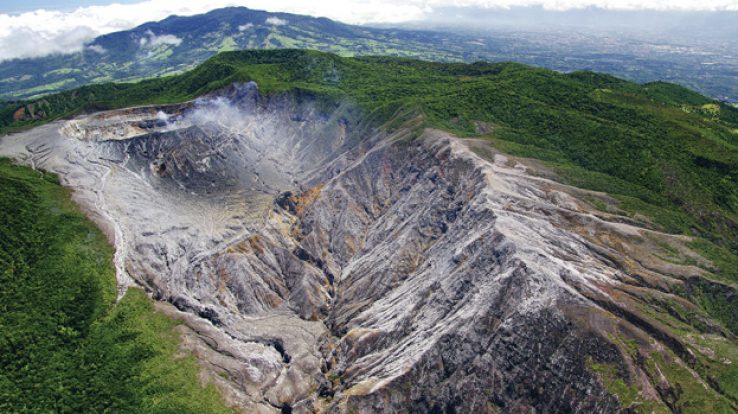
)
(26, 42)
(244, 27)
(152, 40)
(96, 48)
(44, 32)
(165, 40)
(275, 21)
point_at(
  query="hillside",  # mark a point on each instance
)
(64, 339)
(370, 232)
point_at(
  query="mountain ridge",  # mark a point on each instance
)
(177, 44)
(149, 49)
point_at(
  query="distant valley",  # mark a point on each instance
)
(177, 44)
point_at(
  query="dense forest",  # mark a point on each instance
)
(66, 346)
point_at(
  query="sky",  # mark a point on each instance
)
(32, 28)
(65, 5)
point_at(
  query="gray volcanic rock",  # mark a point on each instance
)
(324, 264)
(439, 305)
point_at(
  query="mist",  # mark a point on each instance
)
(685, 26)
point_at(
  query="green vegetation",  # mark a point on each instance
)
(227, 44)
(713, 362)
(713, 357)
(724, 263)
(65, 345)
(629, 396)
(160, 53)
(120, 56)
(62, 71)
(49, 87)
(693, 397)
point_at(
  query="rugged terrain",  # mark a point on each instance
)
(328, 258)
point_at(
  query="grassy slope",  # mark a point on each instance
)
(64, 345)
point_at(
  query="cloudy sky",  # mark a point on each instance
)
(31, 28)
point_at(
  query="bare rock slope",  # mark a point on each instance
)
(320, 263)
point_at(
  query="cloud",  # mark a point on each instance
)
(96, 48)
(275, 21)
(151, 40)
(44, 32)
(27, 42)
(244, 27)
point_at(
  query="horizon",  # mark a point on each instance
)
(42, 27)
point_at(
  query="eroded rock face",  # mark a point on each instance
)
(321, 265)
(442, 303)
